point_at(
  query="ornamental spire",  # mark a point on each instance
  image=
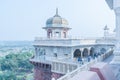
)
(56, 11)
(56, 15)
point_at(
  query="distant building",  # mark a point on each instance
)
(58, 54)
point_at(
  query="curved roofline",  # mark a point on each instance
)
(56, 21)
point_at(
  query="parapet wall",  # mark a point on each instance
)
(86, 66)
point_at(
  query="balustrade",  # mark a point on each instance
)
(85, 66)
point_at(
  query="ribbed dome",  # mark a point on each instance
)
(56, 21)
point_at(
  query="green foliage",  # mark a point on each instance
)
(8, 76)
(10, 56)
(25, 65)
(14, 65)
(8, 64)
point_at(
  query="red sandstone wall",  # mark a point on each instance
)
(56, 75)
(41, 74)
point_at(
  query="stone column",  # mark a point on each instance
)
(81, 53)
(116, 59)
(115, 5)
(68, 68)
(72, 53)
(117, 14)
(88, 51)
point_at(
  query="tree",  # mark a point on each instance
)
(15, 64)
(7, 64)
(8, 76)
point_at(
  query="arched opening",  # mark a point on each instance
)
(57, 34)
(77, 53)
(85, 52)
(92, 52)
(49, 33)
(64, 34)
(103, 50)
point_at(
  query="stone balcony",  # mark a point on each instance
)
(64, 65)
(86, 66)
(60, 65)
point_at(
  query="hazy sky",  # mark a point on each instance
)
(24, 19)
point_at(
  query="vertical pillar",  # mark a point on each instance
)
(88, 51)
(117, 13)
(55, 65)
(116, 59)
(64, 68)
(82, 52)
(59, 67)
(68, 70)
(115, 5)
(72, 53)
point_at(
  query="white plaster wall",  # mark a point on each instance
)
(118, 23)
(61, 51)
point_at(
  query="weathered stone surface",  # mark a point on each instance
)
(42, 72)
(56, 75)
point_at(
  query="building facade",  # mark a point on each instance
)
(59, 54)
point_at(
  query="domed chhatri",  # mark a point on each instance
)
(57, 27)
(56, 21)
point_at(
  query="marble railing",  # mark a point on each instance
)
(76, 71)
(73, 41)
(85, 66)
(48, 41)
(63, 68)
(58, 65)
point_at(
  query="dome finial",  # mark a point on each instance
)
(56, 15)
(56, 11)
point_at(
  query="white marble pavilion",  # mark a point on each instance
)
(58, 54)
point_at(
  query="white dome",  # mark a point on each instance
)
(56, 21)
